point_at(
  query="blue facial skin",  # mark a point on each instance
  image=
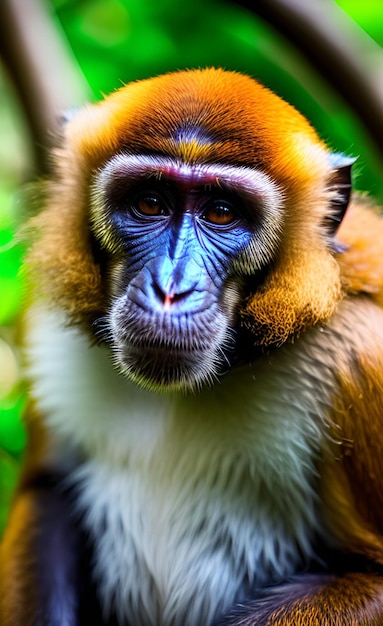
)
(179, 242)
(172, 242)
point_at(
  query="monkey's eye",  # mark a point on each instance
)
(220, 213)
(150, 204)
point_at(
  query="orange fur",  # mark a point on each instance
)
(233, 107)
(17, 600)
(339, 602)
(361, 265)
(303, 290)
(358, 408)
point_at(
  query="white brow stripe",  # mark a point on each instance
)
(249, 181)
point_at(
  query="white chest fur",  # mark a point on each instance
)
(194, 500)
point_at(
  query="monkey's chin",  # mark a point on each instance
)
(163, 368)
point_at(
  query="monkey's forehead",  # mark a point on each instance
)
(198, 116)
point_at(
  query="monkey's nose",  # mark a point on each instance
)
(173, 282)
(170, 295)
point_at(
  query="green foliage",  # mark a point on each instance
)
(369, 15)
(116, 41)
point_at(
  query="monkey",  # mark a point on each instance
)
(204, 352)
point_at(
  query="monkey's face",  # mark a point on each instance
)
(212, 205)
(180, 240)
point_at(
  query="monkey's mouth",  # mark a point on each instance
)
(165, 351)
(162, 365)
(159, 366)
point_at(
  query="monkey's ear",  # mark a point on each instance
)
(67, 115)
(62, 121)
(340, 186)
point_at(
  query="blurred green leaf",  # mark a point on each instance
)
(9, 471)
(368, 14)
(12, 430)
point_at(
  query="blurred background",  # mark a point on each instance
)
(324, 57)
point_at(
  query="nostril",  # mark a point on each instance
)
(159, 293)
(169, 296)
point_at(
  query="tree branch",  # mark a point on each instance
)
(337, 48)
(47, 78)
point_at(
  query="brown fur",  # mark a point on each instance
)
(17, 600)
(358, 418)
(342, 600)
(361, 264)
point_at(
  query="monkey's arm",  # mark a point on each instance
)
(39, 570)
(40, 552)
(318, 600)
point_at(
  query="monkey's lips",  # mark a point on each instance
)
(166, 350)
(159, 366)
